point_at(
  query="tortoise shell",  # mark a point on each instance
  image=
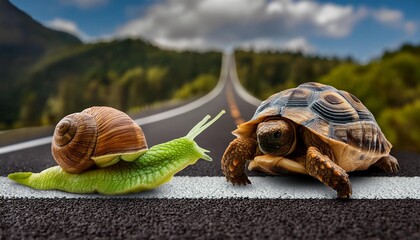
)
(336, 116)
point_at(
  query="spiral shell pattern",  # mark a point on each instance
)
(96, 136)
(74, 142)
(117, 132)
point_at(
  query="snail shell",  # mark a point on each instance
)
(98, 136)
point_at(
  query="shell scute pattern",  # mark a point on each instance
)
(362, 111)
(328, 112)
(341, 111)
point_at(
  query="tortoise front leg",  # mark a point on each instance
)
(234, 159)
(329, 173)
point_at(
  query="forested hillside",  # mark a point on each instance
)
(46, 74)
(264, 73)
(389, 86)
(125, 74)
(23, 42)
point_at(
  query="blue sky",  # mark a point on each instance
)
(361, 29)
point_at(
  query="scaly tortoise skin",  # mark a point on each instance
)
(313, 129)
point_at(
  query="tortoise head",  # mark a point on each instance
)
(276, 137)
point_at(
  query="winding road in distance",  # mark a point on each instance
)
(198, 203)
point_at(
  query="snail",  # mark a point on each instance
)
(148, 170)
(97, 136)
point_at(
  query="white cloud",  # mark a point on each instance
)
(338, 21)
(395, 19)
(388, 16)
(66, 26)
(221, 23)
(84, 4)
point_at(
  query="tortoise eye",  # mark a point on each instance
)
(276, 135)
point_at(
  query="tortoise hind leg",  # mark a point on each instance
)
(389, 164)
(329, 173)
(235, 157)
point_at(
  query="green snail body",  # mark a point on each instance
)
(155, 167)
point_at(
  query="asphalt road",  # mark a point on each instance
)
(224, 218)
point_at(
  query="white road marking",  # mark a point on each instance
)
(145, 120)
(239, 88)
(261, 188)
(25, 145)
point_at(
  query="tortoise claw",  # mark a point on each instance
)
(234, 160)
(238, 180)
(344, 189)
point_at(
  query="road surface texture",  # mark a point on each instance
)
(198, 203)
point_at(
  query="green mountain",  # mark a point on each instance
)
(267, 72)
(126, 74)
(23, 41)
(19, 30)
(46, 74)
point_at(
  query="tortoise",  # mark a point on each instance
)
(312, 129)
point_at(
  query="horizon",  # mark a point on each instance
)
(361, 31)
